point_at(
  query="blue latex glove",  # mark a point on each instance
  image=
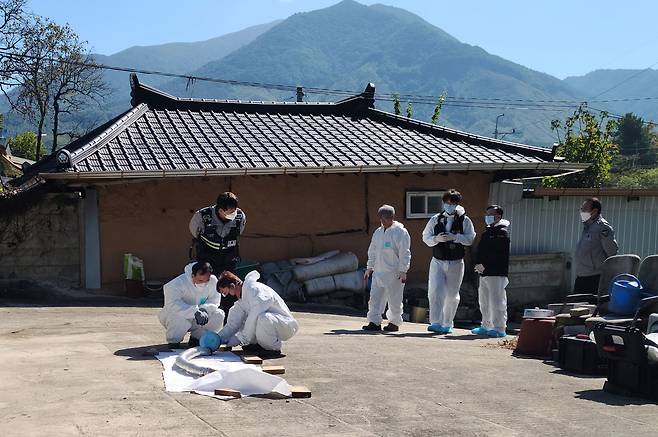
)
(201, 316)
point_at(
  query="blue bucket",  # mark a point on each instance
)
(625, 294)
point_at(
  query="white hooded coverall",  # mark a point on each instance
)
(389, 255)
(182, 299)
(445, 277)
(259, 316)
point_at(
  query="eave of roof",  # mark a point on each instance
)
(558, 167)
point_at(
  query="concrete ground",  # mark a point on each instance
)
(80, 371)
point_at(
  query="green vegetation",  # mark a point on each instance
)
(24, 145)
(642, 178)
(589, 139)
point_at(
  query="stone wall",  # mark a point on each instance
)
(40, 239)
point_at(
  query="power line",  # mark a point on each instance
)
(493, 102)
(626, 80)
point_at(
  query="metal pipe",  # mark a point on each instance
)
(184, 361)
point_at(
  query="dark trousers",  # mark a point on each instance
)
(586, 284)
(218, 267)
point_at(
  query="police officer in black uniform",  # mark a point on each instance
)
(216, 230)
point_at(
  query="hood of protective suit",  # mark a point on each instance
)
(252, 276)
(458, 211)
(188, 272)
(502, 223)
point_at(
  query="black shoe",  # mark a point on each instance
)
(252, 348)
(391, 328)
(267, 354)
(173, 345)
(371, 327)
(192, 342)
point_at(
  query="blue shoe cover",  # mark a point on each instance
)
(435, 327)
(447, 330)
(494, 333)
(480, 331)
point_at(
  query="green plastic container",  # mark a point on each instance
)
(246, 266)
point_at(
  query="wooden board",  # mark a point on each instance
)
(300, 391)
(228, 392)
(251, 359)
(274, 370)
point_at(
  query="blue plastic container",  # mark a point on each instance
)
(625, 294)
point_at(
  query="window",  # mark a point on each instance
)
(424, 204)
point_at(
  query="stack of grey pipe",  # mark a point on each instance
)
(340, 272)
(302, 278)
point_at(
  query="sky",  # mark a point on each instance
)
(559, 37)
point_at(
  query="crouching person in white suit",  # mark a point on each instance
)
(191, 304)
(259, 320)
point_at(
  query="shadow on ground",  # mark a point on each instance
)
(603, 397)
(24, 293)
(141, 353)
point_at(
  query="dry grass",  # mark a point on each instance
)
(508, 343)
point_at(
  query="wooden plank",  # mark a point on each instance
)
(300, 391)
(251, 359)
(274, 370)
(228, 392)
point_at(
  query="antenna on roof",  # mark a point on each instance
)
(300, 94)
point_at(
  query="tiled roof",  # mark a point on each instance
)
(163, 134)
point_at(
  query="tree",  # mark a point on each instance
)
(586, 139)
(53, 75)
(410, 110)
(12, 21)
(637, 142)
(438, 107)
(24, 145)
(396, 103)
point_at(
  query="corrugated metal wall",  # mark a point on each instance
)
(548, 226)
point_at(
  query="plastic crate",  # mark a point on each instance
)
(579, 355)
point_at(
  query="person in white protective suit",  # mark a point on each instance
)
(259, 320)
(191, 304)
(492, 263)
(389, 256)
(447, 233)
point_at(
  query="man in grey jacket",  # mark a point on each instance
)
(597, 242)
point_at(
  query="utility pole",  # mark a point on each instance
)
(496, 131)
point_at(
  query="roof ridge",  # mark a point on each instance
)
(108, 134)
(143, 93)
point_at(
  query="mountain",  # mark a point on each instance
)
(349, 44)
(179, 58)
(620, 84)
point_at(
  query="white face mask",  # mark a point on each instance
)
(585, 215)
(232, 215)
(489, 219)
(201, 286)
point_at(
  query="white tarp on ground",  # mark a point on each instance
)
(230, 372)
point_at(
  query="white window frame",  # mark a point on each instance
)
(426, 194)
